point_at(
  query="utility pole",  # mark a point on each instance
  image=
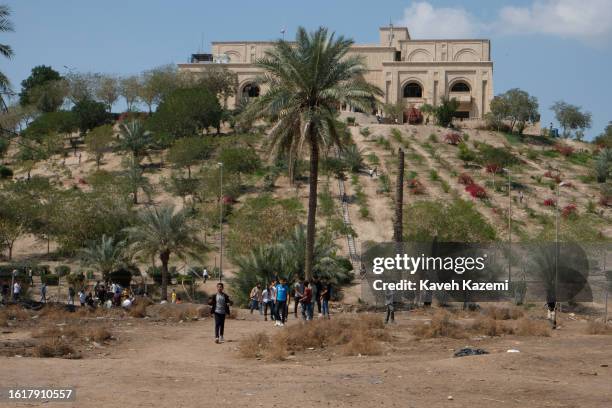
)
(220, 221)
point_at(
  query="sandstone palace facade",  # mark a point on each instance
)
(417, 71)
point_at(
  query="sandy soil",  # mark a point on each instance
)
(178, 364)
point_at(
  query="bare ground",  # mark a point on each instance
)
(158, 363)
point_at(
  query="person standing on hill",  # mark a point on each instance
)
(71, 295)
(298, 292)
(255, 297)
(16, 291)
(43, 292)
(325, 298)
(282, 297)
(267, 302)
(317, 289)
(306, 301)
(272, 288)
(220, 307)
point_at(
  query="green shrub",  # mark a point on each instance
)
(433, 138)
(62, 270)
(433, 175)
(350, 120)
(365, 132)
(50, 279)
(385, 183)
(5, 172)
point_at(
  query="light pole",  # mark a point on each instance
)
(509, 224)
(220, 221)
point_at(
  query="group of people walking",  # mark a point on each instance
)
(276, 298)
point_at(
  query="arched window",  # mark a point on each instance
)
(460, 87)
(413, 90)
(250, 91)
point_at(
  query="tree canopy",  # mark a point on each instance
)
(187, 112)
(517, 107)
(571, 118)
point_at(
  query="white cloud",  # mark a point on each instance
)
(582, 19)
(578, 19)
(425, 21)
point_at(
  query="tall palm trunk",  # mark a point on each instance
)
(399, 198)
(312, 205)
(164, 257)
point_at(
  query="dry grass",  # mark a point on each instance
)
(139, 308)
(504, 313)
(14, 312)
(255, 345)
(444, 325)
(355, 335)
(598, 327)
(490, 327)
(74, 331)
(530, 327)
(169, 311)
(54, 347)
(441, 325)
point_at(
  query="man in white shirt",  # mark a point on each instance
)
(16, 291)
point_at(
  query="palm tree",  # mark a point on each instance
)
(5, 26)
(307, 82)
(106, 255)
(134, 138)
(136, 180)
(163, 232)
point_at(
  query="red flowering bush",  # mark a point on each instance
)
(476, 191)
(416, 187)
(564, 149)
(493, 168)
(465, 179)
(556, 177)
(453, 138)
(549, 202)
(569, 211)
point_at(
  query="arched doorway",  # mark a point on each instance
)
(250, 90)
(413, 90)
(460, 87)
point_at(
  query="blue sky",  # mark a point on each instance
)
(554, 49)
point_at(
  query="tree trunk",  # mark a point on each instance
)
(135, 192)
(312, 205)
(398, 226)
(164, 257)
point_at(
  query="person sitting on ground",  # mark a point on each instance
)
(220, 308)
(179, 300)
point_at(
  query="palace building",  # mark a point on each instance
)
(417, 71)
